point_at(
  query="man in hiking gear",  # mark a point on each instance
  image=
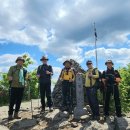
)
(44, 73)
(17, 76)
(111, 79)
(67, 77)
(90, 80)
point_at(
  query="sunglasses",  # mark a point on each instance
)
(89, 63)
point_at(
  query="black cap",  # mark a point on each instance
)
(88, 62)
(109, 61)
(44, 58)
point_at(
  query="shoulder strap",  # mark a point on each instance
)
(40, 68)
(24, 73)
(14, 69)
(94, 71)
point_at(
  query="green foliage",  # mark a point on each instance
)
(30, 88)
(125, 88)
(4, 89)
(31, 91)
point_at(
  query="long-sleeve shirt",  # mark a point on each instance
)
(41, 71)
(14, 72)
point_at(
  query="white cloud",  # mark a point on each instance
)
(63, 27)
(119, 56)
(56, 70)
(8, 60)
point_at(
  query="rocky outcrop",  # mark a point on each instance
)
(58, 120)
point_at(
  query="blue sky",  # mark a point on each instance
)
(63, 29)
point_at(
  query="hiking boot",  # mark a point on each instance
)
(50, 109)
(97, 118)
(10, 117)
(106, 117)
(119, 115)
(16, 116)
(64, 108)
(43, 110)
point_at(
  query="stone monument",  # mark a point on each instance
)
(79, 109)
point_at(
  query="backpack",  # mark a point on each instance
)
(98, 82)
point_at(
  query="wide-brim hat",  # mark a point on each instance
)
(44, 58)
(67, 61)
(109, 61)
(20, 58)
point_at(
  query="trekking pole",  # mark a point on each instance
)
(38, 96)
(9, 96)
(30, 98)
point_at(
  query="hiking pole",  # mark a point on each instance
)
(9, 95)
(38, 95)
(30, 98)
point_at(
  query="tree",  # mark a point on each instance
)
(125, 88)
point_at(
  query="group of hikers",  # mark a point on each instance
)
(109, 79)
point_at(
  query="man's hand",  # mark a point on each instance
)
(61, 79)
(10, 78)
(90, 75)
(118, 80)
(38, 76)
(47, 72)
(71, 80)
(104, 81)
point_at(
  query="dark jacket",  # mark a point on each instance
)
(44, 78)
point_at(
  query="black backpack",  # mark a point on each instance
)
(98, 80)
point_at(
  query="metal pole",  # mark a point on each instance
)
(95, 35)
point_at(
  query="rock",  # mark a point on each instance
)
(111, 122)
(3, 127)
(53, 116)
(122, 123)
(24, 124)
(74, 124)
(94, 125)
(64, 124)
(85, 117)
(64, 114)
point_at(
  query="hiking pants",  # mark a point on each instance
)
(67, 93)
(15, 98)
(45, 90)
(92, 100)
(116, 99)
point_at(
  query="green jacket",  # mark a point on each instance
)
(14, 73)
